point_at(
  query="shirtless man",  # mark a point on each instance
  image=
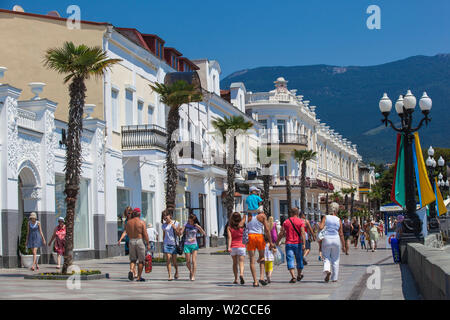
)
(137, 232)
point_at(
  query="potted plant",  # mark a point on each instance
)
(26, 255)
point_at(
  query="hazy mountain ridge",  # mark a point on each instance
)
(347, 97)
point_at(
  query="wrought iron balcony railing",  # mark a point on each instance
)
(143, 137)
(286, 138)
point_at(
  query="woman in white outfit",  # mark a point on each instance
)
(332, 243)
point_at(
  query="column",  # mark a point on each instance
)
(98, 186)
(10, 224)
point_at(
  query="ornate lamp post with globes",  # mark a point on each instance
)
(412, 226)
(433, 223)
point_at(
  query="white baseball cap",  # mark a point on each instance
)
(253, 188)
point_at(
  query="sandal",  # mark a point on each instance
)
(256, 285)
(242, 279)
(300, 277)
(235, 282)
(130, 276)
(327, 278)
(263, 282)
(293, 280)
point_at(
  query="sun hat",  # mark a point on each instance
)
(61, 219)
(253, 188)
(33, 215)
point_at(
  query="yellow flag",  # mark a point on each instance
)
(440, 206)
(426, 191)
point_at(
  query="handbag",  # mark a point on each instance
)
(179, 245)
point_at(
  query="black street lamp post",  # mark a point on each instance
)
(411, 226)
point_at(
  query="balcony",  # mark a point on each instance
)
(139, 137)
(286, 139)
(364, 185)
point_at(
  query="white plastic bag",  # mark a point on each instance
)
(278, 256)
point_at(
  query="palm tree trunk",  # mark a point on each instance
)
(77, 91)
(231, 176)
(352, 202)
(288, 192)
(266, 203)
(173, 123)
(346, 202)
(303, 188)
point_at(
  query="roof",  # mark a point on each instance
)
(51, 17)
(178, 53)
(135, 36)
(152, 36)
(190, 63)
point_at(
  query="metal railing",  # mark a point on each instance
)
(144, 137)
(364, 185)
(286, 138)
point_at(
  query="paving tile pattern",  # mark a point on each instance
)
(214, 281)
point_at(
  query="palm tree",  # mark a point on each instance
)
(266, 177)
(352, 199)
(336, 197)
(174, 95)
(238, 125)
(78, 63)
(346, 192)
(302, 156)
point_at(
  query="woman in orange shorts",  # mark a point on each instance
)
(257, 226)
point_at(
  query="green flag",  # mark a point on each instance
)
(400, 194)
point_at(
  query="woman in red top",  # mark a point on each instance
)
(294, 230)
(59, 235)
(235, 231)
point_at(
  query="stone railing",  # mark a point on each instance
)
(430, 268)
(143, 137)
(26, 119)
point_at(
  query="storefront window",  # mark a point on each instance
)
(147, 206)
(123, 201)
(82, 219)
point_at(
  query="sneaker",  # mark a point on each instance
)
(141, 280)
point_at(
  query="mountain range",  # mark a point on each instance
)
(347, 98)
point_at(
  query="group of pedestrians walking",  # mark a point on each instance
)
(35, 239)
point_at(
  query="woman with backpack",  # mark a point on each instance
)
(189, 232)
(236, 247)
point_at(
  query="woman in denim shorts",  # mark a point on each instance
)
(170, 231)
(190, 230)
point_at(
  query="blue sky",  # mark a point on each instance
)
(244, 34)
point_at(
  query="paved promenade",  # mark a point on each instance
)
(214, 281)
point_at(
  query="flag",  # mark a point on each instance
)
(440, 206)
(400, 192)
(426, 194)
(399, 136)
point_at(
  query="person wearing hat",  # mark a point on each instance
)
(253, 201)
(137, 232)
(35, 238)
(59, 235)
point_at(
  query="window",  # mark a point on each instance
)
(147, 206)
(82, 218)
(123, 201)
(263, 123)
(115, 109)
(150, 111)
(283, 169)
(281, 125)
(140, 111)
(214, 83)
(187, 199)
(129, 107)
